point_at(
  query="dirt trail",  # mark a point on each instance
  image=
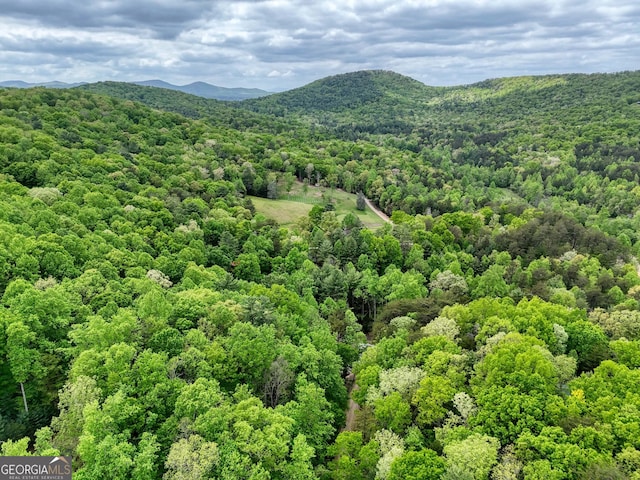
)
(377, 211)
(353, 407)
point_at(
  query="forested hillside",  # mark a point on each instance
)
(154, 324)
(206, 90)
(215, 111)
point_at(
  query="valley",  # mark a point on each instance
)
(187, 283)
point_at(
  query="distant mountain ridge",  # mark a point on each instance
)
(53, 84)
(206, 90)
(218, 112)
(200, 89)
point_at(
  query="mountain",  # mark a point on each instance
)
(21, 84)
(360, 104)
(200, 89)
(344, 92)
(386, 92)
(148, 290)
(374, 102)
(207, 90)
(364, 101)
(159, 97)
(217, 112)
(16, 84)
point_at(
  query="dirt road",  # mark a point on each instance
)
(377, 211)
(353, 407)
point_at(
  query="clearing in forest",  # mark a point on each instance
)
(289, 208)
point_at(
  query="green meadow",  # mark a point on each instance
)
(289, 208)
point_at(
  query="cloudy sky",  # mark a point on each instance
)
(282, 44)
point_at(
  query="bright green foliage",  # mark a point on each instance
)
(476, 454)
(352, 459)
(249, 352)
(159, 324)
(146, 459)
(15, 448)
(626, 352)
(520, 361)
(392, 412)
(610, 395)
(430, 399)
(191, 458)
(542, 470)
(571, 458)
(629, 461)
(491, 283)
(589, 342)
(74, 397)
(421, 465)
(24, 359)
(312, 414)
(506, 412)
(247, 267)
(300, 467)
(531, 317)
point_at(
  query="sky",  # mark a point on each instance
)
(282, 44)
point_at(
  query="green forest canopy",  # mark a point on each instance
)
(154, 324)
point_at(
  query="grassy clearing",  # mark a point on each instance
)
(285, 212)
(288, 209)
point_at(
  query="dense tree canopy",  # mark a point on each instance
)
(156, 324)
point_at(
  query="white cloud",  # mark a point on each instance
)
(280, 44)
